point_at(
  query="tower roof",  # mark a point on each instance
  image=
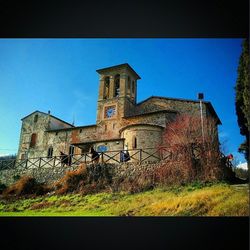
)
(119, 66)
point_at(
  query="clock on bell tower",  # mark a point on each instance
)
(110, 111)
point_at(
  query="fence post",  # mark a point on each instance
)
(160, 153)
(54, 162)
(102, 157)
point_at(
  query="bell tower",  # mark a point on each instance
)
(117, 92)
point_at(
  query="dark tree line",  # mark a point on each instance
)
(5, 161)
(8, 157)
(242, 101)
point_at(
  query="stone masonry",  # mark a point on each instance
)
(121, 122)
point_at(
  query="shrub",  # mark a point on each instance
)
(242, 173)
(71, 181)
(138, 181)
(2, 187)
(194, 149)
(173, 173)
(41, 205)
(24, 186)
(16, 177)
(84, 180)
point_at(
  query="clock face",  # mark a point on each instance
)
(109, 111)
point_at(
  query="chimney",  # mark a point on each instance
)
(200, 96)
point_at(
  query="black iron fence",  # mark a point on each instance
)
(151, 155)
(135, 155)
(226, 161)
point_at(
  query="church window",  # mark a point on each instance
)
(102, 148)
(35, 118)
(85, 149)
(50, 152)
(134, 142)
(133, 87)
(33, 140)
(117, 86)
(129, 86)
(71, 150)
(106, 88)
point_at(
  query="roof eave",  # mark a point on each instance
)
(72, 126)
(103, 70)
(98, 141)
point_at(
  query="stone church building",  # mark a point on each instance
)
(121, 121)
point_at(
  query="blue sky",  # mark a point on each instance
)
(60, 75)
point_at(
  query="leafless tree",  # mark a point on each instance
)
(195, 151)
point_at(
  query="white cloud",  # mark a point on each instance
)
(243, 166)
(4, 154)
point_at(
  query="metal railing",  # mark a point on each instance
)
(151, 155)
(136, 155)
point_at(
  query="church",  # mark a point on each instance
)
(121, 122)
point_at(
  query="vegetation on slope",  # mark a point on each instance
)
(242, 99)
(190, 200)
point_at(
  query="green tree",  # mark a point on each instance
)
(242, 101)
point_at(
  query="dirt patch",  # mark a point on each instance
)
(42, 205)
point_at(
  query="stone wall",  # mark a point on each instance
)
(182, 106)
(30, 126)
(42, 175)
(49, 175)
(104, 131)
(60, 140)
(131, 170)
(109, 132)
(37, 123)
(143, 136)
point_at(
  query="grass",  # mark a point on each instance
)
(192, 200)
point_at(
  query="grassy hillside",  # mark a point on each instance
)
(195, 200)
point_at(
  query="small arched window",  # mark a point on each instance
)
(106, 88)
(134, 142)
(117, 86)
(33, 140)
(133, 87)
(50, 152)
(35, 118)
(129, 86)
(71, 150)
